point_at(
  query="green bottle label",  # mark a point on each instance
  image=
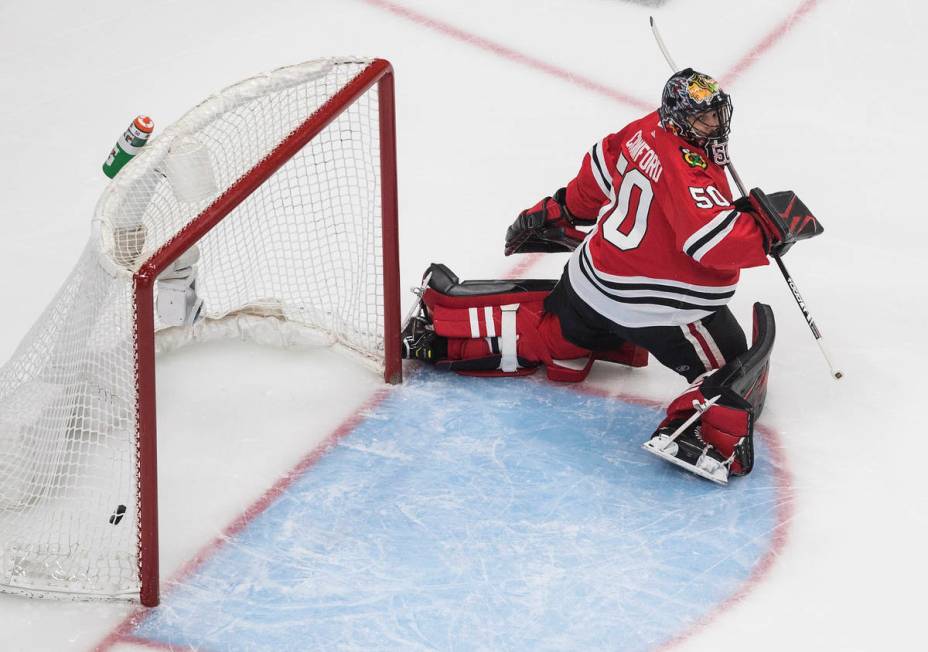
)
(116, 161)
(129, 144)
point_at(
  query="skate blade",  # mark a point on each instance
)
(705, 467)
(419, 291)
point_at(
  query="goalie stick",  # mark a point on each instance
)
(837, 374)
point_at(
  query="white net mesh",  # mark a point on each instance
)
(301, 255)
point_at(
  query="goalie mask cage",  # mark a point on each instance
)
(286, 183)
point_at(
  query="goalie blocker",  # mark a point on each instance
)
(709, 429)
(782, 217)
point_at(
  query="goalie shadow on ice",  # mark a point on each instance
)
(657, 244)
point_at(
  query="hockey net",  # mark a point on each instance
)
(286, 184)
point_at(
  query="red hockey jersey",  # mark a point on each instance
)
(668, 245)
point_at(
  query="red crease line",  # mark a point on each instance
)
(122, 631)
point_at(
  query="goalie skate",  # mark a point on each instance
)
(714, 437)
(684, 448)
(419, 339)
(417, 311)
(690, 454)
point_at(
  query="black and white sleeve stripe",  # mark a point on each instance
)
(702, 242)
(598, 168)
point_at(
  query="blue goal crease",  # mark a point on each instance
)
(468, 514)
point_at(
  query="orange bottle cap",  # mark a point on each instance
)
(144, 123)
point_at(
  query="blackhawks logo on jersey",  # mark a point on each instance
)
(702, 88)
(693, 159)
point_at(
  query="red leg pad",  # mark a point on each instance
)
(724, 427)
(468, 320)
(721, 426)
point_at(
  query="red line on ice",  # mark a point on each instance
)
(508, 53)
(778, 539)
(771, 39)
(523, 265)
(122, 631)
(784, 483)
(152, 645)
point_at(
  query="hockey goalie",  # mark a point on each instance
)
(652, 275)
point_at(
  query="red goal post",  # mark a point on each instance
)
(379, 72)
(288, 189)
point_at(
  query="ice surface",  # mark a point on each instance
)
(830, 109)
(533, 521)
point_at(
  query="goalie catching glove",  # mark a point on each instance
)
(782, 218)
(546, 227)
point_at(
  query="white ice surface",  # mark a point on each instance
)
(833, 110)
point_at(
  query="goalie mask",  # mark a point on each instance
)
(694, 107)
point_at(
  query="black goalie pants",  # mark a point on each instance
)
(690, 350)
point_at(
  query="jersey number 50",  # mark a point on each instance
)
(613, 224)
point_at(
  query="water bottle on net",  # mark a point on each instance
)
(129, 144)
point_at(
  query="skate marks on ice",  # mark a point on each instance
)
(481, 514)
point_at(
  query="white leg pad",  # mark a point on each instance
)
(508, 339)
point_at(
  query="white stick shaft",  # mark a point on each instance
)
(686, 424)
(816, 333)
(837, 374)
(663, 46)
(737, 178)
